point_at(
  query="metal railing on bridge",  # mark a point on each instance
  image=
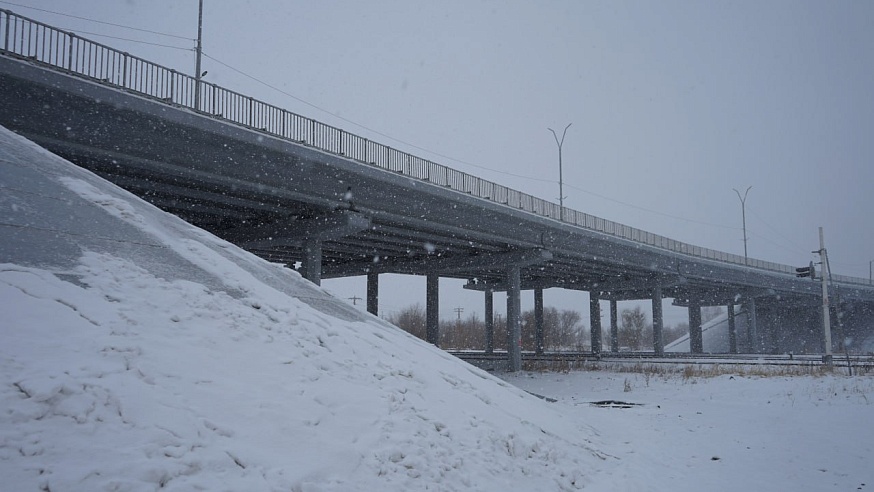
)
(41, 43)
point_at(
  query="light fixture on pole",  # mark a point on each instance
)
(560, 180)
(743, 211)
(198, 56)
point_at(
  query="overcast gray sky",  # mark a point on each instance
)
(673, 104)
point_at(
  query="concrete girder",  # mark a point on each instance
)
(471, 263)
(149, 187)
(618, 285)
(333, 225)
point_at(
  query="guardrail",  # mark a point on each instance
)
(44, 44)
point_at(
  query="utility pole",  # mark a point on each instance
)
(870, 271)
(458, 311)
(743, 211)
(354, 300)
(198, 56)
(826, 321)
(560, 179)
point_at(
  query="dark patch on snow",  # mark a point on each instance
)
(614, 404)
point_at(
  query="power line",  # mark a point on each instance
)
(98, 21)
(793, 248)
(128, 39)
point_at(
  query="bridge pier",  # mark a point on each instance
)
(614, 326)
(696, 337)
(373, 293)
(732, 330)
(769, 328)
(595, 321)
(514, 319)
(432, 308)
(658, 341)
(752, 331)
(490, 320)
(312, 261)
(538, 321)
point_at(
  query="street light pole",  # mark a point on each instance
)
(560, 180)
(743, 211)
(198, 55)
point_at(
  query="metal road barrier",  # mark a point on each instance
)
(46, 45)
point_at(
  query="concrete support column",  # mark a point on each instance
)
(490, 321)
(658, 342)
(771, 330)
(312, 261)
(373, 293)
(514, 319)
(432, 309)
(752, 329)
(614, 326)
(696, 338)
(595, 321)
(538, 321)
(732, 330)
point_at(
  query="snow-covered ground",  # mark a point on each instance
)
(731, 432)
(138, 353)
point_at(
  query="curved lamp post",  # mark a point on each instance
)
(560, 180)
(743, 211)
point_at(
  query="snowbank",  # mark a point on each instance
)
(140, 353)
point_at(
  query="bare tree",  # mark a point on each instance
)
(632, 327)
(410, 319)
(562, 330)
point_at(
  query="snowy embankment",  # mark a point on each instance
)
(139, 353)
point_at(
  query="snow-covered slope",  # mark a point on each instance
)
(138, 353)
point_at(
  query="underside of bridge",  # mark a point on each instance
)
(329, 216)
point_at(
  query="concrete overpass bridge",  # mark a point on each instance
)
(295, 191)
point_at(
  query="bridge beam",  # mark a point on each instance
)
(514, 320)
(373, 293)
(696, 337)
(432, 309)
(658, 342)
(618, 285)
(595, 321)
(326, 227)
(448, 265)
